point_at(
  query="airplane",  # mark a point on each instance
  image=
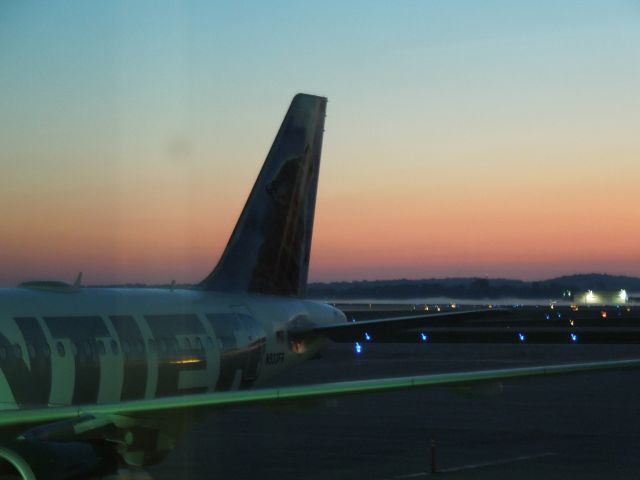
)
(93, 380)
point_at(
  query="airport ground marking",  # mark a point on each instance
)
(475, 466)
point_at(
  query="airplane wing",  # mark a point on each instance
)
(161, 407)
(382, 327)
(491, 334)
(146, 430)
(492, 326)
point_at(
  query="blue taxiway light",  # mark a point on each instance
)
(522, 337)
(358, 348)
(559, 315)
(424, 337)
(547, 316)
(573, 337)
(367, 337)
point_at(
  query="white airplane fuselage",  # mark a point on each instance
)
(109, 345)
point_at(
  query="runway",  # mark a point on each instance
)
(585, 426)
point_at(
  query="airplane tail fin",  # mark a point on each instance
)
(268, 251)
(78, 282)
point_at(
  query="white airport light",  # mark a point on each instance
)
(590, 297)
(622, 296)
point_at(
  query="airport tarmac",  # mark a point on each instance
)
(584, 426)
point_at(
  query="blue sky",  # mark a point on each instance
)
(125, 117)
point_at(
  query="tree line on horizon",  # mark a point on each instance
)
(474, 287)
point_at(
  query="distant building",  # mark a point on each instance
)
(591, 297)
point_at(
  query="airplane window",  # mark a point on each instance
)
(74, 349)
(198, 343)
(114, 347)
(17, 350)
(46, 351)
(187, 344)
(209, 343)
(126, 348)
(60, 348)
(3, 353)
(151, 345)
(101, 349)
(174, 345)
(139, 346)
(32, 350)
(163, 345)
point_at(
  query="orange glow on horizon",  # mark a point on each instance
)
(408, 230)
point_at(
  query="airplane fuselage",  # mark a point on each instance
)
(110, 345)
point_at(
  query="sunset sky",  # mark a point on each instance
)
(463, 138)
